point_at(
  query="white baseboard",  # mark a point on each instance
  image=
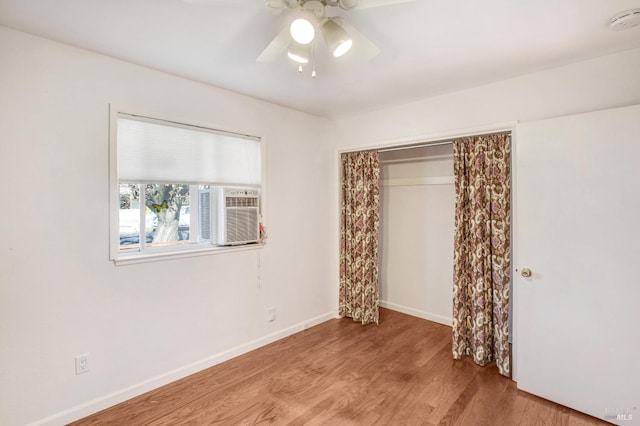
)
(109, 400)
(417, 313)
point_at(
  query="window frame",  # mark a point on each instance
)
(177, 251)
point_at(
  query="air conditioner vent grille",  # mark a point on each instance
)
(238, 215)
(242, 225)
(242, 202)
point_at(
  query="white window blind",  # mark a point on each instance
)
(158, 151)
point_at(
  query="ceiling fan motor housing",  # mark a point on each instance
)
(311, 4)
(315, 6)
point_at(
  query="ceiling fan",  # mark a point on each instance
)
(306, 18)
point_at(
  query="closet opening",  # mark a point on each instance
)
(426, 230)
(417, 205)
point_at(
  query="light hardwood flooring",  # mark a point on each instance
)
(341, 373)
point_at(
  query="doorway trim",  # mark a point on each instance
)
(427, 140)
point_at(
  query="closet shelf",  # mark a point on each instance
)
(418, 181)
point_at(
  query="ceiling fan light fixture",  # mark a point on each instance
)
(348, 4)
(299, 52)
(302, 31)
(342, 48)
(337, 38)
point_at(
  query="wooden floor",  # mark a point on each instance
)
(341, 373)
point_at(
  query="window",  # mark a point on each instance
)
(167, 180)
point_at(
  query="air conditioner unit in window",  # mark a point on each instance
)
(238, 215)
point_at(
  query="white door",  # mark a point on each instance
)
(577, 228)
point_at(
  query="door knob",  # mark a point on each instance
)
(526, 272)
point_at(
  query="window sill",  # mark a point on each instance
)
(135, 258)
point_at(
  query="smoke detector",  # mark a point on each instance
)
(627, 19)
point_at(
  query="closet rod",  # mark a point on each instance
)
(424, 145)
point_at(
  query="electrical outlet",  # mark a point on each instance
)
(82, 363)
(271, 314)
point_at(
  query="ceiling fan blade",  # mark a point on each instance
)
(278, 45)
(366, 4)
(362, 46)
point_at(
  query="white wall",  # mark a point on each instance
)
(606, 82)
(416, 235)
(146, 324)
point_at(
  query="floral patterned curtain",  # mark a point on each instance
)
(360, 220)
(482, 256)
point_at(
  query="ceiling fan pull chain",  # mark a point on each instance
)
(313, 61)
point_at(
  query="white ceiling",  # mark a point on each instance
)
(428, 47)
